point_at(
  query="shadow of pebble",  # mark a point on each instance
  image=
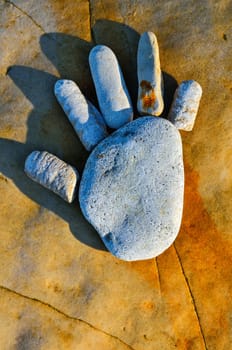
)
(29, 340)
(69, 55)
(48, 129)
(12, 158)
(170, 85)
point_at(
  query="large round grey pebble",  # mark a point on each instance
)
(132, 188)
(113, 97)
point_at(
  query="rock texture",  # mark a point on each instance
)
(132, 189)
(180, 300)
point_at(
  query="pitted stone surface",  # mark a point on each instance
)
(132, 188)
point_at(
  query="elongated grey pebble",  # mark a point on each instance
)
(113, 97)
(150, 99)
(52, 173)
(84, 117)
(185, 105)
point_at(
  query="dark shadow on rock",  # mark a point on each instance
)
(170, 85)
(123, 40)
(69, 55)
(12, 158)
(48, 129)
(47, 126)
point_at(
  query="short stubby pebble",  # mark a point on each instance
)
(113, 97)
(84, 117)
(52, 173)
(185, 105)
(150, 93)
(132, 188)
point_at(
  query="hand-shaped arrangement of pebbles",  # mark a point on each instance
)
(132, 186)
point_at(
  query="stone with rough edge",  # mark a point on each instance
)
(113, 97)
(185, 105)
(150, 82)
(132, 188)
(52, 173)
(84, 117)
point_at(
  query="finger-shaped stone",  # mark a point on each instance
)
(185, 105)
(150, 95)
(113, 97)
(52, 173)
(84, 117)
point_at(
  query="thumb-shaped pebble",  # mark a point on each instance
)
(52, 173)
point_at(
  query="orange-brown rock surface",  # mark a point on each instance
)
(59, 288)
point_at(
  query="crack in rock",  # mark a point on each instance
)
(191, 295)
(90, 23)
(25, 14)
(65, 315)
(158, 274)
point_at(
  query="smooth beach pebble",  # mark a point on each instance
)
(52, 173)
(132, 188)
(185, 105)
(150, 99)
(113, 97)
(84, 117)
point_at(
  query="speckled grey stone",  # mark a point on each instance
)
(150, 82)
(113, 97)
(185, 105)
(52, 173)
(84, 117)
(132, 188)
